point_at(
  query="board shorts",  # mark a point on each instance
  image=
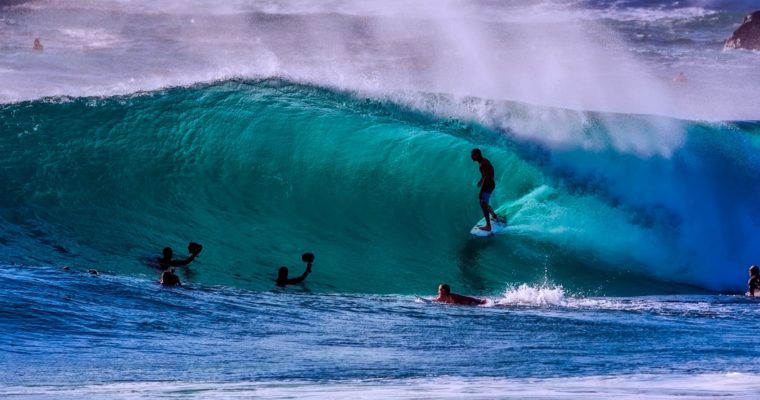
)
(485, 192)
(485, 197)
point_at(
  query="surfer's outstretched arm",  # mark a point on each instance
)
(182, 263)
(302, 277)
(282, 273)
(166, 260)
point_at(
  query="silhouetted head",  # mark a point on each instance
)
(168, 253)
(444, 289)
(169, 278)
(754, 270)
(282, 273)
(476, 155)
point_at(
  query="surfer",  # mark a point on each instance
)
(282, 273)
(445, 296)
(487, 184)
(754, 280)
(37, 44)
(166, 261)
(169, 278)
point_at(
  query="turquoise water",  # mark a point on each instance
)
(260, 171)
(267, 129)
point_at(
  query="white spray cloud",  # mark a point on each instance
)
(543, 53)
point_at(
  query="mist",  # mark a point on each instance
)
(563, 55)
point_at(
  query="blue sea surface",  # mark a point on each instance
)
(64, 330)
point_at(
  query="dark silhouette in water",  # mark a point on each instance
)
(468, 261)
(754, 280)
(37, 45)
(282, 273)
(169, 278)
(166, 261)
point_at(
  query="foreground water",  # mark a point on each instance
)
(67, 334)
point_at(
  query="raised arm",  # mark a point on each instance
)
(194, 249)
(302, 277)
(180, 263)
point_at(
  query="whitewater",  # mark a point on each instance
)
(267, 129)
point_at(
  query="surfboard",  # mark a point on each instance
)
(496, 228)
(424, 300)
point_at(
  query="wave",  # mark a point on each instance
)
(260, 171)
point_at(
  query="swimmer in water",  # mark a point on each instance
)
(169, 278)
(445, 296)
(754, 280)
(165, 262)
(282, 273)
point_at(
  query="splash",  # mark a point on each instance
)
(526, 295)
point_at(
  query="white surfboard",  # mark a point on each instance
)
(496, 228)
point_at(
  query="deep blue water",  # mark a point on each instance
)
(65, 329)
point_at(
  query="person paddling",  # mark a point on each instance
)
(445, 296)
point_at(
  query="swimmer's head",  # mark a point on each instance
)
(168, 253)
(444, 289)
(282, 273)
(754, 270)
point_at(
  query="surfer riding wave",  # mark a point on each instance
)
(487, 185)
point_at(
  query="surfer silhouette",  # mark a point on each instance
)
(282, 273)
(487, 184)
(166, 261)
(754, 280)
(445, 296)
(169, 278)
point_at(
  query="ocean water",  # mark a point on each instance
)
(264, 130)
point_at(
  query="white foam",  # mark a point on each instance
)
(660, 386)
(532, 295)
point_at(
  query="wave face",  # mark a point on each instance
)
(259, 171)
